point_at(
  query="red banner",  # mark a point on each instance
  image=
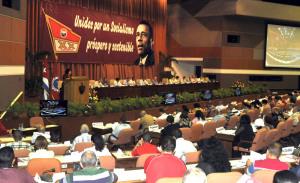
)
(80, 35)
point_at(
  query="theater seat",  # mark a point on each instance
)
(265, 176)
(107, 162)
(125, 137)
(19, 153)
(223, 177)
(192, 157)
(161, 123)
(59, 150)
(170, 180)
(142, 159)
(41, 165)
(82, 146)
(232, 122)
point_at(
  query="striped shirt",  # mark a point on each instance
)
(93, 174)
(19, 145)
(84, 137)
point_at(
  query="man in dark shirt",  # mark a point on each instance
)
(167, 131)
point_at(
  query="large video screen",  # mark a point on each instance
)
(282, 46)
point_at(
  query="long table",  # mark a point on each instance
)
(146, 91)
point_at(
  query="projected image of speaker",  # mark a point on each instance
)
(53, 108)
(169, 98)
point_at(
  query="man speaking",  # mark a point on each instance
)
(144, 42)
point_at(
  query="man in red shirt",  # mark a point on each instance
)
(144, 146)
(272, 161)
(165, 164)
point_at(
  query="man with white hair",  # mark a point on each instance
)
(194, 175)
(84, 136)
(90, 172)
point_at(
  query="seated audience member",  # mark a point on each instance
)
(155, 81)
(99, 147)
(117, 82)
(131, 82)
(185, 108)
(285, 176)
(194, 175)
(18, 144)
(269, 123)
(41, 149)
(146, 120)
(84, 136)
(167, 131)
(41, 132)
(197, 107)
(199, 118)
(8, 174)
(182, 146)
(218, 116)
(90, 172)
(176, 115)
(213, 157)
(244, 135)
(266, 108)
(165, 164)
(184, 120)
(271, 162)
(144, 146)
(123, 124)
(163, 114)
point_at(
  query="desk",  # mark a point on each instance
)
(146, 91)
(8, 139)
(29, 131)
(226, 139)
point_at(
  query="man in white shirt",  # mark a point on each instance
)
(163, 114)
(182, 146)
(118, 128)
(84, 136)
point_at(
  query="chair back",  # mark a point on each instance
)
(281, 128)
(161, 123)
(142, 159)
(209, 130)
(233, 122)
(59, 150)
(221, 122)
(41, 165)
(192, 157)
(271, 136)
(135, 125)
(125, 137)
(265, 176)
(187, 133)
(82, 146)
(223, 177)
(288, 127)
(258, 141)
(20, 153)
(36, 121)
(170, 180)
(197, 132)
(107, 162)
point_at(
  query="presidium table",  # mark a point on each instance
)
(150, 90)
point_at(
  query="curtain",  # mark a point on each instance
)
(154, 11)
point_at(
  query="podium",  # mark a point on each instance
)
(76, 90)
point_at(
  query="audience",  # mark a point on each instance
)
(243, 136)
(199, 118)
(146, 120)
(182, 146)
(41, 149)
(213, 157)
(285, 176)
(167, 131)
(90, 172)
(184, 120)
(271, 162)
(194, 175)
(123, 124)
(165, 164)
(144, 146)
(84, 136)
(18, 144)
(99, 147)
(41, 132)
(8, 174)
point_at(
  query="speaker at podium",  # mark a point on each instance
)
(76, 89)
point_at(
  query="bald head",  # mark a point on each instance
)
(143, 113)
(84, 128)
(88, 159)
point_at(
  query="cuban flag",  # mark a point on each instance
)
(54, 82)
(45, 84)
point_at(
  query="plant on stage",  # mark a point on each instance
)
(33, 109)
(75, 109)
(156, 100)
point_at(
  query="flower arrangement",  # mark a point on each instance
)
(238, 84)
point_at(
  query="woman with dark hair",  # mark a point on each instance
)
(199, 118)
(99, 147)
(41, 149)
(244, 135)
(213, 157)
(67, 75)
(184, 120)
